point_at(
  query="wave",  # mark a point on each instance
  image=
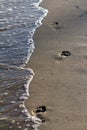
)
(19, 20)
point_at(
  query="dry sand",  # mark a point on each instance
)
(61, 85)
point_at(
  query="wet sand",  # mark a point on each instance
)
(61, 83)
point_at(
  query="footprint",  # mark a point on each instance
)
(41, 109)
(77, 6)
(61, 56)
(65, 53)
(38, 112)
(56, 26)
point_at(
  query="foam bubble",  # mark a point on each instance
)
(14, 58)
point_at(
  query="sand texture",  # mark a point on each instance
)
(61, 83)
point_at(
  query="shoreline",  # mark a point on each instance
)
(60, 84)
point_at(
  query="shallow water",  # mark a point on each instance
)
(18, 22)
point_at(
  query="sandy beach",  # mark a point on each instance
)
(60, 84)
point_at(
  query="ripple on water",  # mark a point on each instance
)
(18, 22)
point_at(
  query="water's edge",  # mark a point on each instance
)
(37, 121)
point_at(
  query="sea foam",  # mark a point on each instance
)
(19, 20)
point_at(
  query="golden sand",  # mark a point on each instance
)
(61, 84)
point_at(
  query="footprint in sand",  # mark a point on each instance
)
(38, 112)
(55, 26)
(77, 6)
(65, 53)
(62, 55)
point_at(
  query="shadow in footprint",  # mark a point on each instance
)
(38, 112)
(62, 55)
(40, 109)
(56, 25)
(77, 6)
(65, 53)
